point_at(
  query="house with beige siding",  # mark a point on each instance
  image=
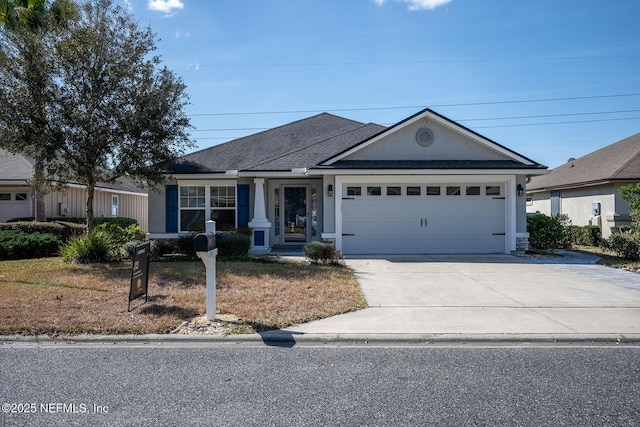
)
(120, 199)
(586, 189)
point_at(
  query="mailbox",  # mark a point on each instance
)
(204, 242)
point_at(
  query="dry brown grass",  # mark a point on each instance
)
(609, 258)
(48, 296)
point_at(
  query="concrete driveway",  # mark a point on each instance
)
(497, 295)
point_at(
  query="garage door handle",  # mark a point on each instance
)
(499, 234)
(348, 234)
(499, 198)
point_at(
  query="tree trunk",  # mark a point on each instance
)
(39, 186)
(90, 220)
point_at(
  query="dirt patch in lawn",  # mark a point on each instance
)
(47, 296)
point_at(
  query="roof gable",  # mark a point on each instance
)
(616, 162)
(451, 141)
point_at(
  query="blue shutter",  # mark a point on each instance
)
(243, 206)
(172, 210)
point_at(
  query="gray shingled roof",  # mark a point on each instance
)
(308, 143)
(14, 167)
(303, 143)
(616, 162)
(18, 167)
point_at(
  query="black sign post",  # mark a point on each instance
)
(140, 273)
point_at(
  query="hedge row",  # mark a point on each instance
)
(119, 221)
(16, 244)
(587, 235)
(228, 244)
(625, 244)
(63, 231)
(547, 232)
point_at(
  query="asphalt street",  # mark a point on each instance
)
(373, 385)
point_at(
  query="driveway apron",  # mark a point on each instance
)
(488, 294)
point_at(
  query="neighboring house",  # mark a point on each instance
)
(423, 185)
(123, 198)
(586, 189)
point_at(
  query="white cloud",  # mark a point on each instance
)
(169, 7)
(182, 35)
(128, 5)
(418, 4)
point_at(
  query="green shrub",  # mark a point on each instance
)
(623, 229)
(16, 244)
(625, 245)
(130, 247)
(546, 232)
(184, 244)
(318, 252)
(588, 235)
(121, 222)
(232, 244)
(161, 247)
(121, 234)
(62, 231)
(96, 247)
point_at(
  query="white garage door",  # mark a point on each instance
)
(414, 219)
(13, 204)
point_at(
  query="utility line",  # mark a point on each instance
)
(475, 127)
(467, 104)
(431, 61)
(556, 123)
(466, 120)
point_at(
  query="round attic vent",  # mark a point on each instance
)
(424, 137)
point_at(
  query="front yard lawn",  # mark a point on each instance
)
(48, 296)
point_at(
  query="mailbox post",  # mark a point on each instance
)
(204, 245)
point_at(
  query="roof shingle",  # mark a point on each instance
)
(616, 162)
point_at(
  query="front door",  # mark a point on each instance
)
(295, 221)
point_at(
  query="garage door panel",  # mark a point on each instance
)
(423, 224)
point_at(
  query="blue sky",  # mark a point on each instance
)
(507, 69)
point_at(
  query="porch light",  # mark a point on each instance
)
(520, 190)
(330, 190)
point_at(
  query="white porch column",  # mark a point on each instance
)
(260, 224)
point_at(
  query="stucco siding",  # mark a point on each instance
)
(578, 203)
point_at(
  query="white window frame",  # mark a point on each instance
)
(208, 208)
(115, 206)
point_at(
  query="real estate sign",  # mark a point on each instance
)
(140, 273)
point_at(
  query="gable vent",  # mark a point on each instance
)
(424, 137)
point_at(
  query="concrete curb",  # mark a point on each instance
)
(289, 339)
